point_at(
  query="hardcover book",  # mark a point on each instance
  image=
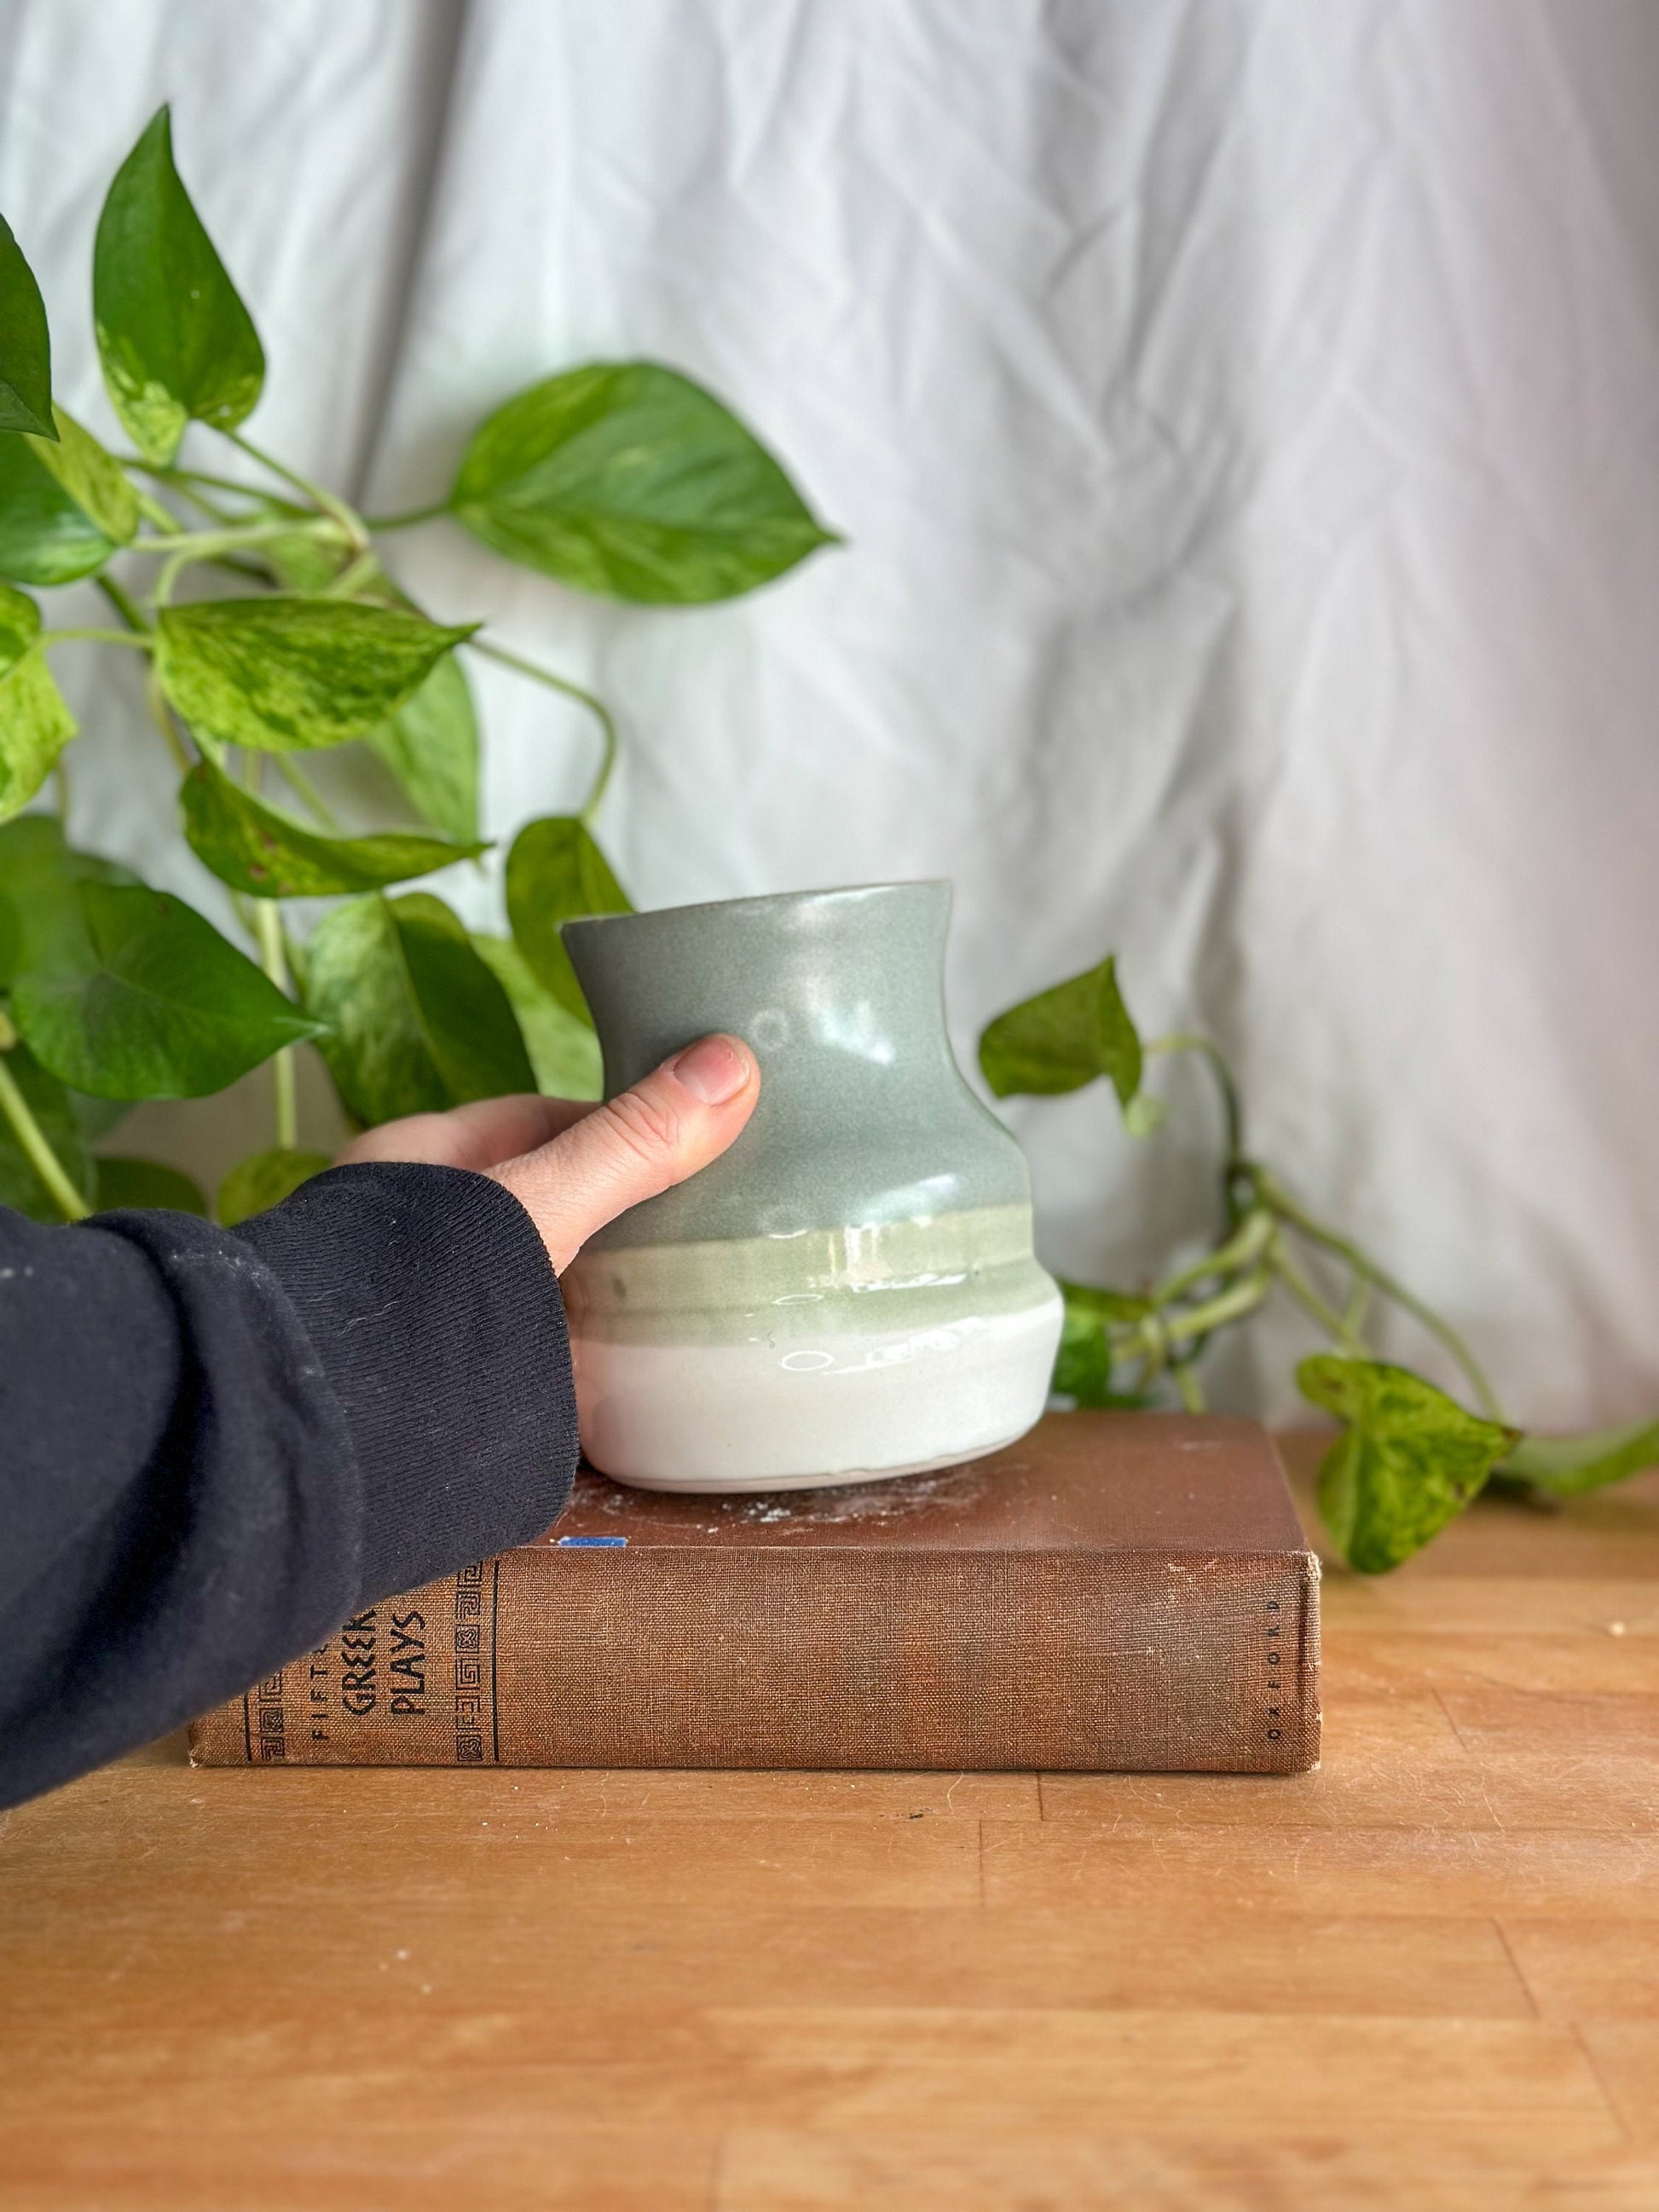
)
(1117, 1590)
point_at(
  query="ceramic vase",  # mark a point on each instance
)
(850, 1292)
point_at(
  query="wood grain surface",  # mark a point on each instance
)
(1426, 1976)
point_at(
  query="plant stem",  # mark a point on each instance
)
(269, 921)
(139, 644)
(208, 545)
(1442, 1331)
(123, 602)
(183, 476)
(1248, 1242)
(1242, 1298)
(348, 518)
(358, 573)
(241, 533)
(32, 1138)
(406, 521)
(302, 785)
(1191, 1041)
(153, 510)
(1302, 1290)
(561, 683)
(1187, 1382)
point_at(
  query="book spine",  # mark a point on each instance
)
(665, 1657)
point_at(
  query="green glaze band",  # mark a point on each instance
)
(895, 1277)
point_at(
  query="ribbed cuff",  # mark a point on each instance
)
(436, 1317)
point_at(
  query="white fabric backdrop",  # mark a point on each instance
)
(1245, 420)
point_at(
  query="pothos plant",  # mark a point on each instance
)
(623, 479)
(1409, 1457)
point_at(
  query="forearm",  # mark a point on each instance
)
(215, 1446)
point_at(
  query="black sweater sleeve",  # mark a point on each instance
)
(215, 1445)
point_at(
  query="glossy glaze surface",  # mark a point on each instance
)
(864, 1116)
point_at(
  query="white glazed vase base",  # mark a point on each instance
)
(710, 1418)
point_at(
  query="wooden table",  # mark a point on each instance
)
(1425, 1977)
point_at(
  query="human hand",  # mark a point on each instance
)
(574, 1167)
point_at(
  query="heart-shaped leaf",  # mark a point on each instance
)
(174, 338)
(416, 1022)
(431, 746)
(1409, 1460)
(35, 724)
(1064, 1037)
(49, 1102)
(117, 1182)
(1569, 1465)
(627, 479)
(266, 1179)
(144, 1000)
(25, 344)
(286, 675)
(253, 848)
(563, 1051)
(555, 873)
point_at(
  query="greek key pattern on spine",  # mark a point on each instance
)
(272, 1727)
(468, 1666)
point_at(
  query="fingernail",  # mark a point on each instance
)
(710, 1070)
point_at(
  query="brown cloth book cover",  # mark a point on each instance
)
(1116, 1590)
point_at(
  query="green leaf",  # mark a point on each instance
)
(416, 1022)
(35, 723)
(25, 344)
(65, 506)
(285, 674)
(1568, 1466)
(1083, 1364)
(20, 626)
(627, 479)
(555, 873)
(253, 848)
(117, 1182)
(431, 746)
(563, 1051)
(263, 1180)
(174, 338)
(1064, 1038)
(146, 999)
(49, 1102)
(1409, 1462)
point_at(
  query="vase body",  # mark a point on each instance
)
(849, 1292)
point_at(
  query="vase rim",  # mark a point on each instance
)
(760, 903)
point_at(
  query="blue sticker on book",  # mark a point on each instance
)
(592, 1543)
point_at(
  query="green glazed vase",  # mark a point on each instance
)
(849, 1292)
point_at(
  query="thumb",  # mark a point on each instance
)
(673, 1122)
